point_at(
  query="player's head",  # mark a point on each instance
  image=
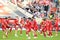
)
(6, 18)
(33, 17)
(9, 17)
(17, 17)
(29, 18)
(24, 17)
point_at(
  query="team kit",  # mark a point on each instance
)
(30, 24)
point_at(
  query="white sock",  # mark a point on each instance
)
(6, 33)
(29, 38)
(51, 36)
(35, 37)
(26, 35)
(16, 35)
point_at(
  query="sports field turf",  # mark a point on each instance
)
(24, 37)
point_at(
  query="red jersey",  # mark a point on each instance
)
(56, 23)
(35, 26)
(34, 23)
(4, 21)
(4, 24)
(22, 21)
(47, 24)
(43, 24)
(12, 21)
(0, 20)
(28, 24)
(50, 26)
(27, 21)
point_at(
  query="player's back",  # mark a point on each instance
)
(0, 20)
(22, 21)
(12, 21)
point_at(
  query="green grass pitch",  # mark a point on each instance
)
(24, 37)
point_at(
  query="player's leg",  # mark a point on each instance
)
(16, 33)
(57, 31)
(47, 29)
(10, 29)
(28, 33)
(44, 31)
(4, 32)
(41, 31)
(35, 34)
(20, 29)
(35, 31)
(16, 30)
(7, 32)
(50, 31)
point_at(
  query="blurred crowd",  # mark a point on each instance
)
(41, 8)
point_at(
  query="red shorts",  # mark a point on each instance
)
(36, 28)
(28, 29)
(40, 27)
(44, 29)
(7, 26)
(16, 28)
(47, 28)
(10, 29)
(3, 28)
(50, 28)
(57, 28)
